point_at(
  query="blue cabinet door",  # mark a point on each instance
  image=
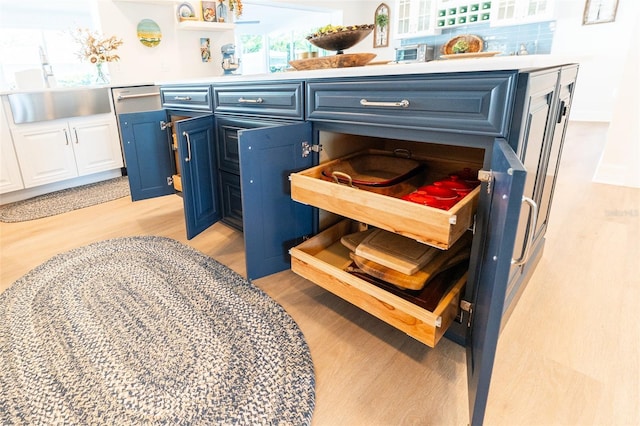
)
(148, 154)
(199, 172)
(500, 221)
(272, 221)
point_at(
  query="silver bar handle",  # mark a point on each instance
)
(75, 132)
(140, 95)
(533, 216)
(182, 98)
(250, 101)
(66, 136)
(188, 158)
(403, 103)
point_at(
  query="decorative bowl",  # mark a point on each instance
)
(341, 38)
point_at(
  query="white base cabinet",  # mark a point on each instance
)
(10, 177)
(62, 149)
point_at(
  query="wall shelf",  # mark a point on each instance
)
(205, 26)
(160, 2)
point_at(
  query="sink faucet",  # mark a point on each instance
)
(47, 70)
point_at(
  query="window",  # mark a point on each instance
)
(36, 46)
(270, 35)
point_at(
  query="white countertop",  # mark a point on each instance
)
(496, 63)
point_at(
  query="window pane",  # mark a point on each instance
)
(28, 27)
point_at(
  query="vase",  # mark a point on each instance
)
(101, 77)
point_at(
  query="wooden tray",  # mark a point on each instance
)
(336, 61)
(396, 252)
(443, 260)
(470, 55)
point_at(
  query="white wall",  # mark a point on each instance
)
(602, 50)
(177, 57)
(620, 160)
(357, 12)
(607, 88)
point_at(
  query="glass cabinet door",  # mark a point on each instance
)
(415, 17)
(514, 12)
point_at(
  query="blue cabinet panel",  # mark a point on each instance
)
(498, 219)
(148, 154)
(197, 151)
(231, 198)
(273, 222)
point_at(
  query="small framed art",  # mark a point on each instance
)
(599, 11)
(208, 11)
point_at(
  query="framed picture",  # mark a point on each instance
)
(205, 49)
(599, 11)
(381, 29)
(208, 11)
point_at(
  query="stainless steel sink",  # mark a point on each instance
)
(54, 104)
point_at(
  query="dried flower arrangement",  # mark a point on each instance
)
(95, 48)
(236, 7)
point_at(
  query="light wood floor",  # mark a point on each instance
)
(570, 354)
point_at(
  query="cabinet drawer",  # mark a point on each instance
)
(323, 260)
(273, 100)
(475, 104)
(196, 98)
(432, 226)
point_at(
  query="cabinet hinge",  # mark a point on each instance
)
(169, 180)
(486, 176)
(164, 125)
(307, 148)
(468, 308)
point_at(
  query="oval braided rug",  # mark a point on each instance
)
(145, 330)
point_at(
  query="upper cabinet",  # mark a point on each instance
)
(514, 12)
(415, 18)
(452, 13)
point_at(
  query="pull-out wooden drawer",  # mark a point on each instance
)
(324, 260)
(270, 100)
(433, 226)
(470, 103)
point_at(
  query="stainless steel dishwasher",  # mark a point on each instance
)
(134, 99)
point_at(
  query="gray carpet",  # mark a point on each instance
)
(145, 330)
(65, 200)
